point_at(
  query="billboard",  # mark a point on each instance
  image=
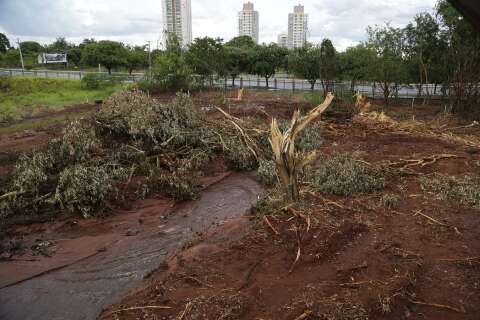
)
(45, 58)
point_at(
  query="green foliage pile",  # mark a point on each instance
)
(465, 190)
(85, 189)
(345, 175)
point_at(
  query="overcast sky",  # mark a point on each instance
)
(137, 21)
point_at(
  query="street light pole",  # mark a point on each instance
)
(149, 60)
(21, 55)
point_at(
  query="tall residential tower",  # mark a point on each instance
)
(297, 27)
(177, 19)
(248, 22)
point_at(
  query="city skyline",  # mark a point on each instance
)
(342, 21)
(248, 22)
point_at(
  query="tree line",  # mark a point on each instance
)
(440, 49)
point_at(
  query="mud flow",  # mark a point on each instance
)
(81, 290)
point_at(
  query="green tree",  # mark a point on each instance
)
(136, 58)
(423, 47)
(245, 42)
(266, 60)
(305, 63)
(205, 56)
(31, 47)
(11, 58)
(60, 45)
(328, 65)
(109, 54)
(355, 64)
(74, 56)
(461, 60)
(4, 43)
(171, 70)
(389, 67)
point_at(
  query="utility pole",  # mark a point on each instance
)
(21, 55)
(149, 59)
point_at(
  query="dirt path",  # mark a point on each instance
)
(83, 289)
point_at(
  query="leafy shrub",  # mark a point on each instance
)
(94, 81)
(84, 189)
(344, 175)
(90, 82)
(466, 190)
(267, 172)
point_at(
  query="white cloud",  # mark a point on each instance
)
(135, 22)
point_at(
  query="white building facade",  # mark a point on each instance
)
(282, 40)
(177, 19)
(297, 27)
(248, 22)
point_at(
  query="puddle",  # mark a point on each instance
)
(81, 290)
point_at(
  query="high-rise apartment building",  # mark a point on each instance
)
(297, 27)
(282, 40)
(177, 19)
(248, 22)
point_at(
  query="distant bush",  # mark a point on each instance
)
(344, 175)
(93, 81)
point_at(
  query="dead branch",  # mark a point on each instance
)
(270, 225)
(140, 308)
(437, 222)
(298, 252)
(188, 306)
(304, 315)
(469, 259)
(436, 305)
(9, 194)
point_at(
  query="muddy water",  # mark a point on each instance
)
(82, 290)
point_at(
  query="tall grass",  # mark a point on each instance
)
(20, 97)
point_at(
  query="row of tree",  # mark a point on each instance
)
(441, 49)
(89, 53)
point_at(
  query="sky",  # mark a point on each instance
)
(138, 21)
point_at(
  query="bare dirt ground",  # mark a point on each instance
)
(356, 258)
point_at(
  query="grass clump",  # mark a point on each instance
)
(345, 175)
(465, 190)
(389, 201)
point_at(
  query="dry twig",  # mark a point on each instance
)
(436, 305)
